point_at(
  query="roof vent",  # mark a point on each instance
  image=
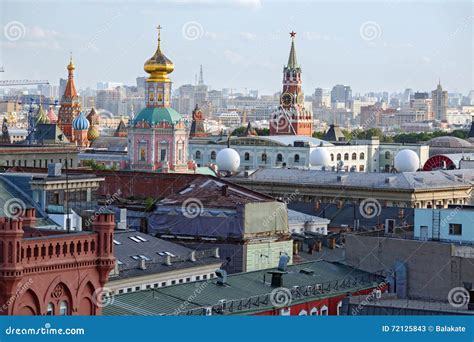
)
(142, 264)
(221, 277)
(283, 262)
(306, 271)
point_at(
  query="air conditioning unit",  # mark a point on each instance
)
(209, 311)
(378, 294)
(318, 287)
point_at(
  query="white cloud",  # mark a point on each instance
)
(248, 36)
(233, 57)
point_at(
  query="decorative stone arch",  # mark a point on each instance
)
(87, 304)
(58, 291)
(27, 305)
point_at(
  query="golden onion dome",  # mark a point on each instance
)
(159, 66)
(92, 133)
(71, 65)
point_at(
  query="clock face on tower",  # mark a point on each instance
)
(286, 99)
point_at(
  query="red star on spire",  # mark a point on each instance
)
(292, 34)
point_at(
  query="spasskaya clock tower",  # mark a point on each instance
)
(291, 117)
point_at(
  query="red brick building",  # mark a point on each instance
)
(45, 272)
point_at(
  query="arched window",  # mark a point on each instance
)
(297, 158)
(362, 156)
(324, 311)
(339, 306)
(198, 154)
(338, 156)
(354, 156)
(50, 311)
(213, 155)
(247, 156)
(346, 156)
(332, 157)
(387, 155)
(303, 313)
(314, 312)
(279, 157)
(63, 308)
(264, 157)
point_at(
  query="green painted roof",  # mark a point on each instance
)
(328, 279)
(154, 115)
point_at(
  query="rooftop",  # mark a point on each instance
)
(130, 247)
(212, 192)
(426, 180)
(309, 280)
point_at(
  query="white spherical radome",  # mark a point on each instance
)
(228, 159)
(407, 161)
(320, 157)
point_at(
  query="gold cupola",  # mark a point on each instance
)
(159, 66)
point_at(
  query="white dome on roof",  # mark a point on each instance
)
(407, 161)
(228, 159)
(320, 157)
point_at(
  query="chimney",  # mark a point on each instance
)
(221, 277)
(167, 260)
(192, 256)
(277, 279)
(142, 264)
(225, 191)
(216, 253)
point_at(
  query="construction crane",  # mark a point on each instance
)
(9, 83)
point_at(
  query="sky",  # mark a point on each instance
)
(243, 44)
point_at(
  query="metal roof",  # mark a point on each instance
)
(320, 279)
(403, 180)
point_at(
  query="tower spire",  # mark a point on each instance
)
(159, 27)
(292, 62)
(201, 77)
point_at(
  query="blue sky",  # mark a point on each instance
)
(372, 46)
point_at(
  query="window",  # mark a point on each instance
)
(455, 229)
(324, 311)
(354, 156)
(362, 156)
(198, 154)
(285, 312)
(361, 168)
(148, 286)
(163, 284)
(264, 157)
(163, 154)
(314, 312)
(155, 285)
(387, 155)
(338, 156)
(188, 280)
(204, 276)
(297, 158)
(198, 278)
(173, 282)
(339, 306)
(120, 291)
(346, 156)
(303, 313)
(181, 281)
(50, 311)
(332, 157)
(129, 289)
(137, 288)
(247, 156)
(279, 157)
(213, 155)
(63, 309)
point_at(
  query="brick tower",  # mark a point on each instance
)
(291, 117)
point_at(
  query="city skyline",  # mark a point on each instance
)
(419, 53)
